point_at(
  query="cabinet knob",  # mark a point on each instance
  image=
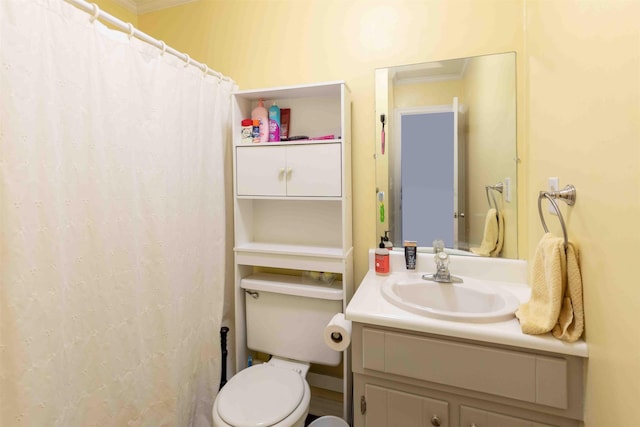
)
(281, 172)
(473, 425)
(288, 171)
(435, 421)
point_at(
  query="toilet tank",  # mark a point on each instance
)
(287, 319)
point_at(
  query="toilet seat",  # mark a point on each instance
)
(261, 395)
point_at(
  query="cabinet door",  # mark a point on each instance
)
(314, 170)
(473, 417)
(261, 171)
(390, 408)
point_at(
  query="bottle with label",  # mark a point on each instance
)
(274, 123)
(382, 259)
(256, 130)
(260, 113)
(246, 131)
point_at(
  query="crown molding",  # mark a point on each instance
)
(140, 7)
(130, 5)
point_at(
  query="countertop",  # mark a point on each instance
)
(370, 307)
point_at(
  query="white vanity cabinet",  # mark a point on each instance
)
(292, 214)
(431, 380)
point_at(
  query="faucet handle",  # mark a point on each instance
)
(438, 246)
(442, 260)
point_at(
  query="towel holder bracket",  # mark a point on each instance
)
(567, 195)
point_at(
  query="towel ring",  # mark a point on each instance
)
(499, 187)
(567, 195)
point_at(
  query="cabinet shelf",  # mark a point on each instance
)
(299, 142)
(296, 250)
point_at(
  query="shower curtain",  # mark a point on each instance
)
(112, 225)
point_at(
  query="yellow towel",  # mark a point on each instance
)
(556, 292)
(490, 236)
(571, 320)
(496, 251)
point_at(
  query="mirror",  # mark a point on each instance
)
(446, 158)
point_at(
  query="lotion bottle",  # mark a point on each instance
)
(382, 259)
(274, 123)
(260, 113)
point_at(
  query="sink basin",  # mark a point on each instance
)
(472, 301)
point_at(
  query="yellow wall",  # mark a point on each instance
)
(578, 89)
(275, 43)
(491, 128)
(430, 93)
(583, 65)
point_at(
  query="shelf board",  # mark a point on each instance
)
(293, 250)
(298, 142)
(316, 198)
(287, 92)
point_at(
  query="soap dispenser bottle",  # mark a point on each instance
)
(382, 259)
(387, 240)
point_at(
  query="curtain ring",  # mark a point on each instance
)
(132, 30)
(95, 14)
(163, 47)
(205, 70)
(187, 60)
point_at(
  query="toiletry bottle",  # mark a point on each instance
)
(410, 254)
(387, 241)
(260, 113)
(274, 123)
(382, 259)
(256, 130)
(246, 131)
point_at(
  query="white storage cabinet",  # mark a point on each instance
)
(292, 211)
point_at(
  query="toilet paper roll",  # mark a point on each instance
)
(337, 333)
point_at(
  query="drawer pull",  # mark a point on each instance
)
(435, 421)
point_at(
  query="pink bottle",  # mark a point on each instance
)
(260, 113)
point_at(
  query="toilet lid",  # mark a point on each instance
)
(261, 395)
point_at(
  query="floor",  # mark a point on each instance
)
(310, 419)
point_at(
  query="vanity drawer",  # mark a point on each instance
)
(478, 417)
(516, 375)
(389, 408)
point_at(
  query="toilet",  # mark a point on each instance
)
(286, 321)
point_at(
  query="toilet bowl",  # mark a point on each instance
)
(273, 394)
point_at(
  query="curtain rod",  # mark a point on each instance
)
(132, 31)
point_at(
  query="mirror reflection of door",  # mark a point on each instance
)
(429, 175)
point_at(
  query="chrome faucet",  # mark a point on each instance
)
(442, 274)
